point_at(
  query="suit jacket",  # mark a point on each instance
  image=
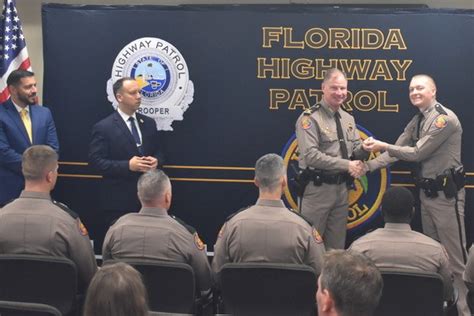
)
(14, 141)
(112, 146)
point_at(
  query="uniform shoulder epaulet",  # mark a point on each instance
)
(65, 208)
(189, 228)
(440, 109)
(312, 109)
(301, 215)
(235, 213)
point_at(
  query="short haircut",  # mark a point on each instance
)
(353, 281)
(16, 75)
(427, 77)
(268, 171)
(119, 84)
(152, 184)
(37, 161)
(116, 290)
(333, 72)
(397, 205)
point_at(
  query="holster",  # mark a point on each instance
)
(301, 180)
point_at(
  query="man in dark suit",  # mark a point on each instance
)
(124, 145)
(22, 123)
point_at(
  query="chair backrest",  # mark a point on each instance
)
(268, 289)
(39, 279)
(9, 308)
(411, 293)
(170, 285)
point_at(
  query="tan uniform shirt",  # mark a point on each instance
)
(438, 147)
(397, 246)
(318, 143)
(468, 275)
(154, 235)
(268, 232)
(33, 224)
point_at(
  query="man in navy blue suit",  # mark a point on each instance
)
(23, 123)
(124, 145)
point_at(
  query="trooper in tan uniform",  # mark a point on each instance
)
(153, 234)
(268, 231)
(397, 246)
(325, 159)
(468, 275)
(432, 139)
(34, 224)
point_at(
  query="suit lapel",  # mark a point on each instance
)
(118, 121)
(15, 117)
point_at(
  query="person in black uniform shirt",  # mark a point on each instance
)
(124, 145)
(34, 224)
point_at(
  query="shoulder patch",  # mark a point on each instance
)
(441, 121)
(65, 208)
(301, 215)
(198, 242)
(317, 237)
(190, 229)
(306, 122)
(82, 227)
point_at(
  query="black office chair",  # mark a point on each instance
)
(170, 285)
(10, 308)
(411, 293)
(39, 279)
(268, 289)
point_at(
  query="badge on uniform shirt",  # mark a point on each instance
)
(441, 121)
(317, 237)
(198, 242)
(82, 228)
(350, 127)
(306, 122)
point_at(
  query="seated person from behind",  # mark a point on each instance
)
(268, 231)
(34, 224)
(349, 285)
(152, 234)
(397, 246)
(116, 290)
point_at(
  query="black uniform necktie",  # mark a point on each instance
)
(135, 134)
(340, 136)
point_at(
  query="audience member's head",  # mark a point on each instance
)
(270, 174)
(40, 168)
(349, 285)
(398, 205)
(116, 290)
(154, 189)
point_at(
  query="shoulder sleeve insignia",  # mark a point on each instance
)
(198, 242)
(306, 122)
(317, 237)
(82, 227)
(441, 121)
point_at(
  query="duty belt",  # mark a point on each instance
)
(450, 181)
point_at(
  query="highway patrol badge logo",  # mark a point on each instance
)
(365, 196)
(163, 76)
(441, 121)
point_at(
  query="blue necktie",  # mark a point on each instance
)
(135, 134)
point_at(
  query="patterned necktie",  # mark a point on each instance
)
(27, 122)
(135, 134)
(340, 136)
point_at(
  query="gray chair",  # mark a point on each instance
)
(268, 289)
(39, 279)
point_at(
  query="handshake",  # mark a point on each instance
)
(372, 145)
(357, 168)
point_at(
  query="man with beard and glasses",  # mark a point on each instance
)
(23, 123)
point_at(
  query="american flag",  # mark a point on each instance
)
(13, 53)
